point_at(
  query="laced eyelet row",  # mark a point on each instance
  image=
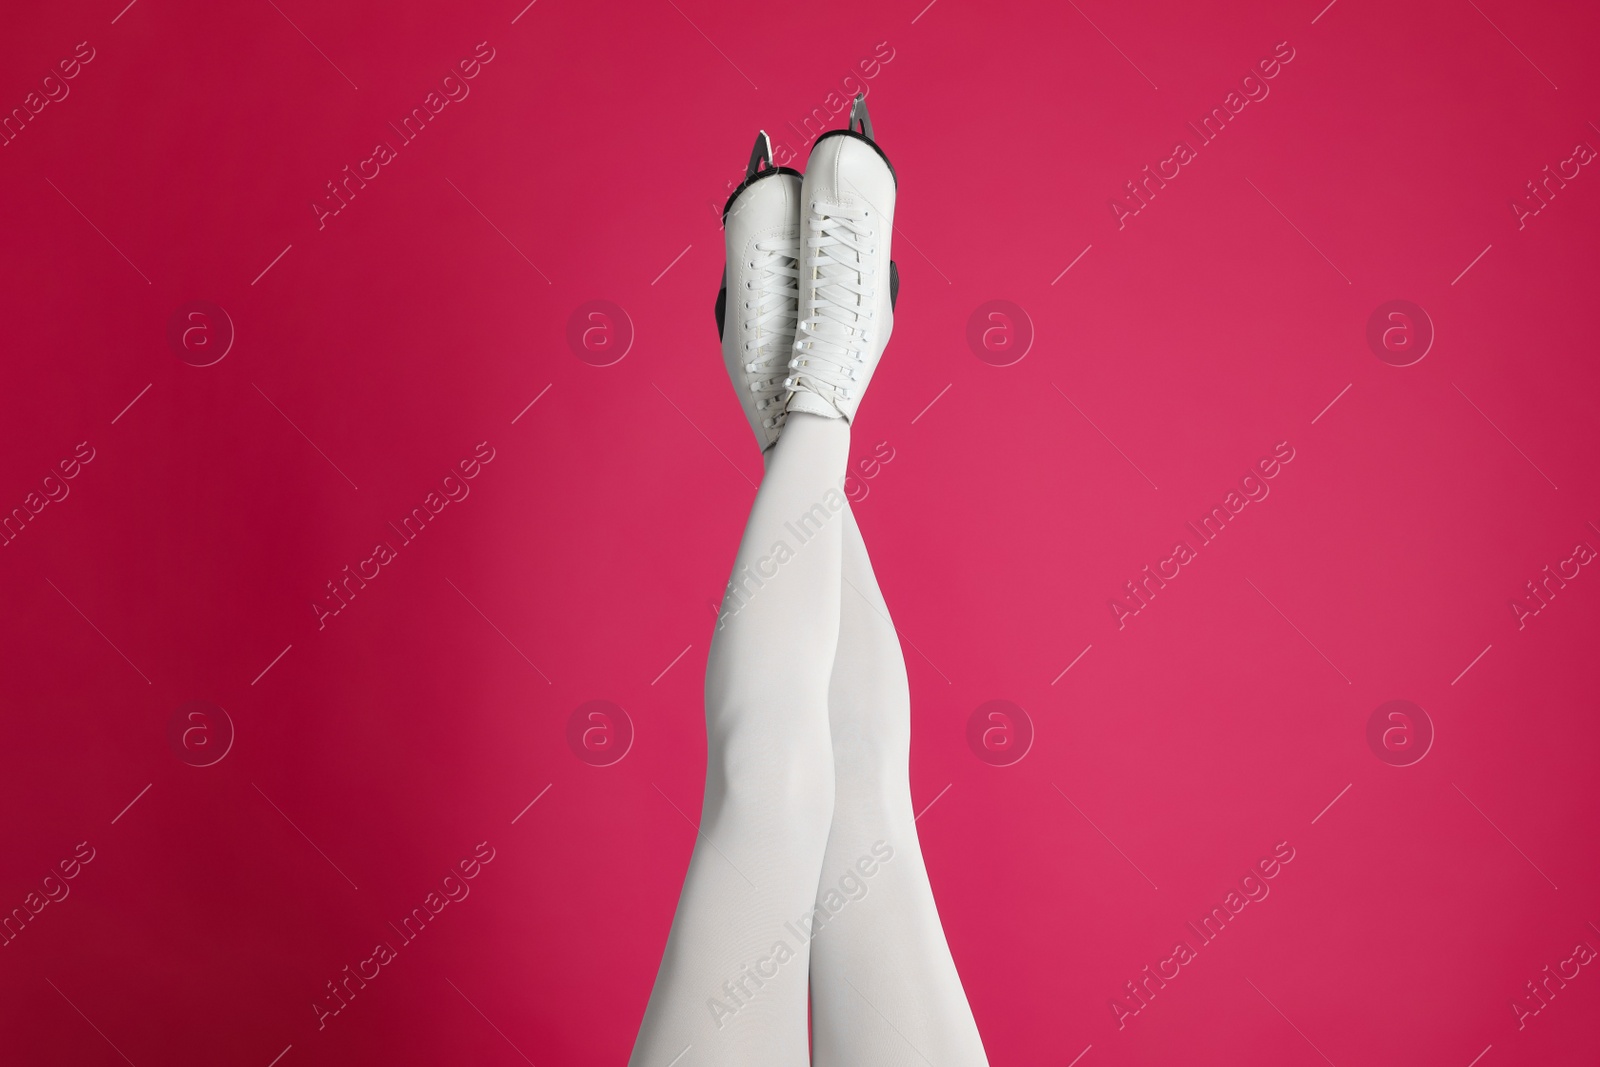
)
(770, 309)
(838, 312)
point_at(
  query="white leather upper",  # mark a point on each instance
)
(759, 316)
(846, 224)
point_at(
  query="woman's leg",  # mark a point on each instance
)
(732, 984)
(884, 990)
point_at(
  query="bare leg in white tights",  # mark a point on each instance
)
(884, 989)
(807, 864)
(732, 985)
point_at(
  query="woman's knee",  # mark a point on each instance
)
(784, 772)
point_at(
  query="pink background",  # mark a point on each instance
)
(588, 163)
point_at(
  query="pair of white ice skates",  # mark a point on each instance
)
(807, 298)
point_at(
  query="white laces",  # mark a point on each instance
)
(834, 334)
(769, 321)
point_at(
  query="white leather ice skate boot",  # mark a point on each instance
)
(756, 307)
(847, 281)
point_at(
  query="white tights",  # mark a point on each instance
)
(806, 869)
